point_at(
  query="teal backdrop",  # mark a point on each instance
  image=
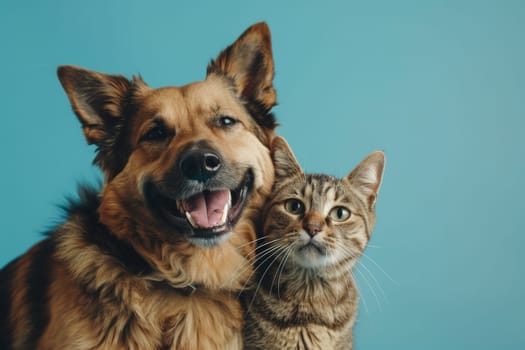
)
(438, 85)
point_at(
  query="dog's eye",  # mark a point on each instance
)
(226, 121)
(157, 133)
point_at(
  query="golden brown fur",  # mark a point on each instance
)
(124, 271)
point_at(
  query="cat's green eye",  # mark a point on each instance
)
(294, 206)
(339, 214)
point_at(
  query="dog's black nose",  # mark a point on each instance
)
(200, 164)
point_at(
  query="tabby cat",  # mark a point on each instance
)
(314, 228)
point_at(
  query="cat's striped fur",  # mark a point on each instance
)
(314, 229)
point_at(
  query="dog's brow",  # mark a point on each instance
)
(216, 109)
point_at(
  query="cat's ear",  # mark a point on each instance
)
(367, 177)
(284, 161)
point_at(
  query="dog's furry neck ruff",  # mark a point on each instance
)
(84, 210)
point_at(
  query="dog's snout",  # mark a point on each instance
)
(200, 165)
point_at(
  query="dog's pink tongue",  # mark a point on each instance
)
(206, 209)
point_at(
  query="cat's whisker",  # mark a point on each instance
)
(262, 253)
(351, 268)
(268, 253)
(370, 287)
(360, 263)
(374, 279)
(278, 249)
(375, 246)
(268, 242)
(241, 270)
(245, 266)
(251, 242)
(381, 269)
(281, 262)
(348, 252)
(288, 252)
(235, 274)
(361, 295)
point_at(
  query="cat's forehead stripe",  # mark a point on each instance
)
(328, 187)
(308, 190)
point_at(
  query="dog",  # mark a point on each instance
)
(156, 258)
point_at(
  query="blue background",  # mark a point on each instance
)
(439, 85)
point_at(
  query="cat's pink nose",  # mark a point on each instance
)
(313, 224)
(312, 230)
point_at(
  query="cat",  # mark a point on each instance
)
(313, 229)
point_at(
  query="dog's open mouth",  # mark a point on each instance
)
(204, 216)
(207, 209)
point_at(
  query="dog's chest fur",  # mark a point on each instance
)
(106, 296)
(132, 314)
(197, 321)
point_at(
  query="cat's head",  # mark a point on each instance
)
(315, 220)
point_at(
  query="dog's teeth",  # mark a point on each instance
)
(190, 219)
(225, 213)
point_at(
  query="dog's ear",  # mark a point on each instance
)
(97, 99)
(284, 161)
(248, 62)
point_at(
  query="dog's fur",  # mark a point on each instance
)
(125, 270)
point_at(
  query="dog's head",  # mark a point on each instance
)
(182, 164)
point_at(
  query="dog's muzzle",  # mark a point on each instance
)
(204, 196)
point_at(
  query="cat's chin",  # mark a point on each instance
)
(313, 256)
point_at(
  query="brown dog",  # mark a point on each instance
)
(156, 259)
